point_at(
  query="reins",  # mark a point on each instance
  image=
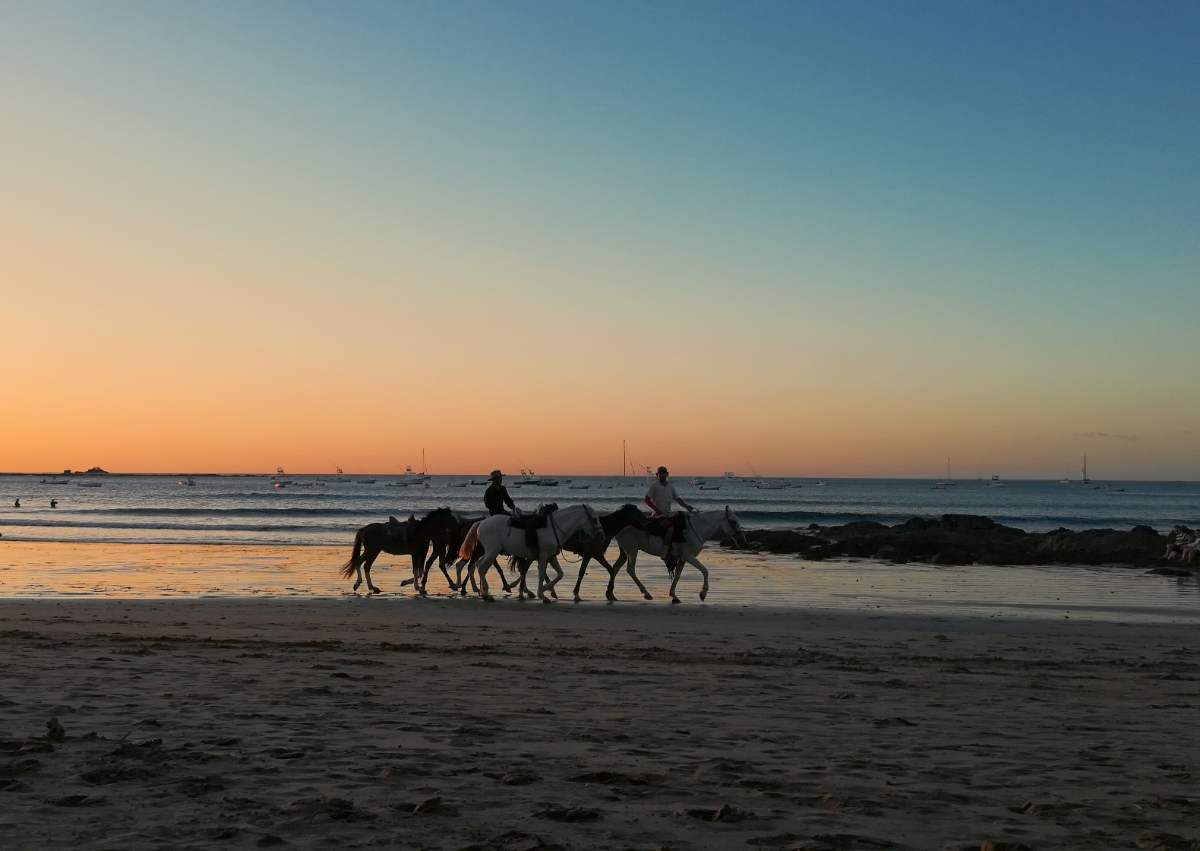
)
(558, 542)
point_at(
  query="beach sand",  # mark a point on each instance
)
(438, 723)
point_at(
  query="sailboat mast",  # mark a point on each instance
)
(624, 455)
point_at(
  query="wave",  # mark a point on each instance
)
(348, 529)
(253, 512)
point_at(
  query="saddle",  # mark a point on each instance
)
(530, 523)
(658, 526)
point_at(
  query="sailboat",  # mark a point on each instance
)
(1086, 480)
(341, 475)
(946, 482)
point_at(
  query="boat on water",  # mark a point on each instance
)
(946, 482)
(186, 483)
(364, 481)
(89, 484)
(579, 487)
(528, 477)
(710, 487)
(1085, 480)
(995, 482)
(409, 478)
(55, 482)
(341, 475)
(820, 484)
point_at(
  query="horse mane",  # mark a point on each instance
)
(436, 514)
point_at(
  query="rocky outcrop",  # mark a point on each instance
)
(965, 539)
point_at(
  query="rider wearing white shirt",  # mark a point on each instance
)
(659, 497)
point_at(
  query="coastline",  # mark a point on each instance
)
(358, 722)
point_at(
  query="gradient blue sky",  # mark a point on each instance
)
(867, 234)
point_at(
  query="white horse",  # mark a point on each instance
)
(496, 535)
(701, 525)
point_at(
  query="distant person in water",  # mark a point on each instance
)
(17, 502)
(496, 496)
(659, 497)
(54, 503)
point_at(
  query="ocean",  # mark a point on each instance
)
(319, 511)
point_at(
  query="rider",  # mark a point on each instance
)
(496, 496)
(659, 496)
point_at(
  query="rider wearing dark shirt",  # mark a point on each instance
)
(496, 496)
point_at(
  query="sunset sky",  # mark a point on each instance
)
(812, 238)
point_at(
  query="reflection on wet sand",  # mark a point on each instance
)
(738, 579)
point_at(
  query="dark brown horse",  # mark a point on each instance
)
(595, 548)
(411, 537)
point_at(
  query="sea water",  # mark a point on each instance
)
(318, 511)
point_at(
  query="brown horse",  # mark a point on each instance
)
(411, 537)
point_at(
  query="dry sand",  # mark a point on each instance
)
(455, 724)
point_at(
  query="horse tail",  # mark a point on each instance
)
(469, 542)
(356, 557)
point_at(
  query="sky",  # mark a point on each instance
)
(802, 238)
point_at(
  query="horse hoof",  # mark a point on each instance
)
(674, 601)
(648, 596)
(577, 598)
(552, 594)
(703, 596)
(488, 598)
(547, 602)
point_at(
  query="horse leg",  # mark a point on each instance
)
(441, 557)
(631, 569)
(542, 578)
(367, 562)
(613, 570)
(358, 581)
(557, 569)
(695, 562)
(485, 563)
(418, 568)
(523, 591)
(555, 580)
(508, 586)
(582, 570)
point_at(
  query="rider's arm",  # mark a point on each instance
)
(509, 501)
(650, 503)
(682, 501)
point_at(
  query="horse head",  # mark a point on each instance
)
(631, 515)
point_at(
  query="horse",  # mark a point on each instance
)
(595, 548)
(456, 533)
(412, 537)
(497, 535)
(701, 525)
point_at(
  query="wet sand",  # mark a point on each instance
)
(739, 579)
(360, 722)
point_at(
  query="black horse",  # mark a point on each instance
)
(595, 548)
(411, 537)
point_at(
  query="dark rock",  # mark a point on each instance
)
(968, 522)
